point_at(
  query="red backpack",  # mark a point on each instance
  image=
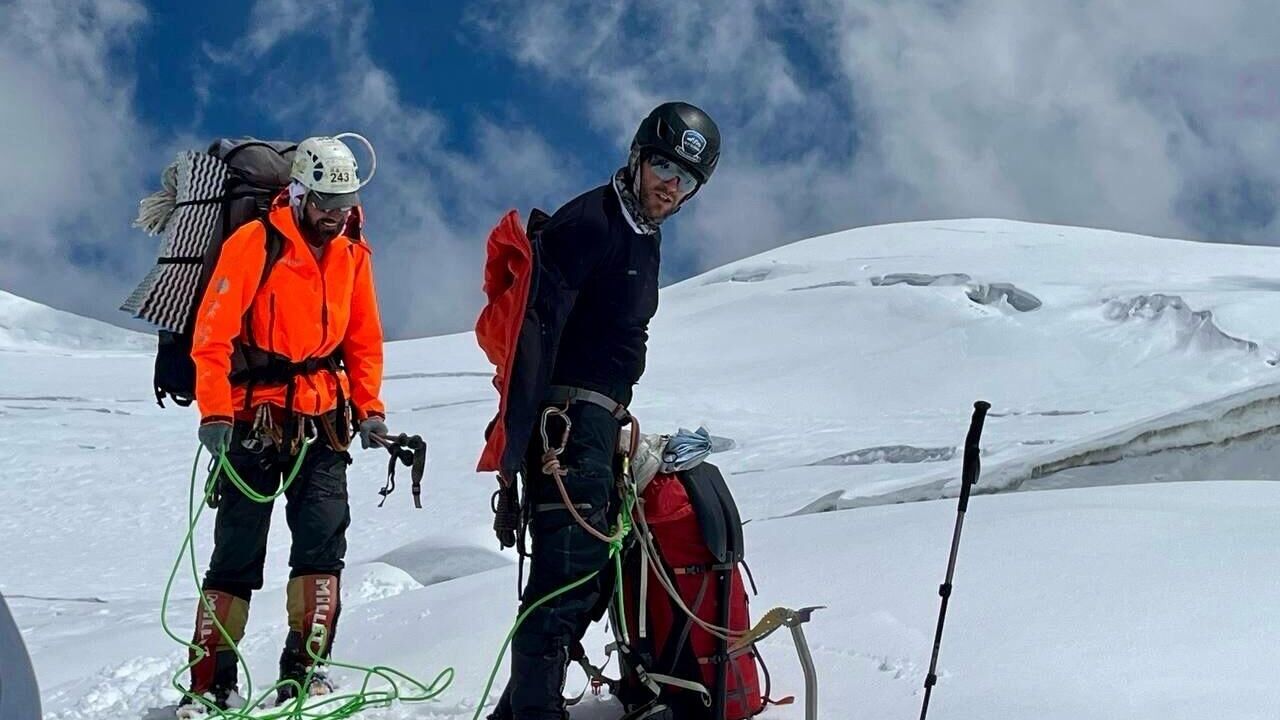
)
(696, 537)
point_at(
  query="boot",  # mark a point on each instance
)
(295, 665)
(537, 685)
(223, 695)
(313, 617)
(214, 675)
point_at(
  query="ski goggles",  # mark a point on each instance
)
(666, 168)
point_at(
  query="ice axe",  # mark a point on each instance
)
(774, 620)
(411, 450)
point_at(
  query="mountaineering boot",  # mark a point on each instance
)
(537, 685)
(313, 618)
(294, 666)
(221, 697)
(214, 674)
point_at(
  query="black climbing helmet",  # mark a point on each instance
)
(682, 133)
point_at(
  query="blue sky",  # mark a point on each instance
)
(836, 113)
(438, 57)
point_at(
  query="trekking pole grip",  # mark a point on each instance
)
(972, 452)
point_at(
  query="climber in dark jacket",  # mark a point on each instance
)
(593, 296)
(582, 347)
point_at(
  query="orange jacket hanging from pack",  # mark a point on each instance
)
(508, 277)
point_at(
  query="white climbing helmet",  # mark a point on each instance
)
(327, 167)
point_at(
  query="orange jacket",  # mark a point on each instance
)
(305, 309)
(508, 272)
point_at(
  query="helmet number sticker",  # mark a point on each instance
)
(340, 176)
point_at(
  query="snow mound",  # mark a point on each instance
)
(429, 563)
(376, 581)
(1191, 329)
(26, 326)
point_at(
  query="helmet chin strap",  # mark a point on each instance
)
(633, 167)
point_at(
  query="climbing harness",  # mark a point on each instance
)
(551, 467)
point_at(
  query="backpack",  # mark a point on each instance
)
(670, 660)
(205, 197)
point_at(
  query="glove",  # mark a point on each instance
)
(215, 436)
(506, 514)
(370, 426)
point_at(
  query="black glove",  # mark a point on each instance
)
(506, 514)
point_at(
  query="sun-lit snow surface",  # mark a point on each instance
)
(843, 368)
(26, 326)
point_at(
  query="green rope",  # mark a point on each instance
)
(615, 554)
(348, 704)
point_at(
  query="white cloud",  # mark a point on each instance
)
(841, 113)
(430, 205)
(75, 157)
(66, 106)
(835, 114)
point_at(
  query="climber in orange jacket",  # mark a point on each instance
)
(287, 344)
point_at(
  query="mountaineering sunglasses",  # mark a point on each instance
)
(666, 169)
(341, 210)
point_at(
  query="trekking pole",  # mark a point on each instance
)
(968, 478)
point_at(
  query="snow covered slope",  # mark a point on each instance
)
(839, 382)
(26, 326)
(843, 368)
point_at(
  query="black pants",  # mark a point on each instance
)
(317, 512)
(563, 552)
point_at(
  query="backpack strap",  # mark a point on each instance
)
(275, 249)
